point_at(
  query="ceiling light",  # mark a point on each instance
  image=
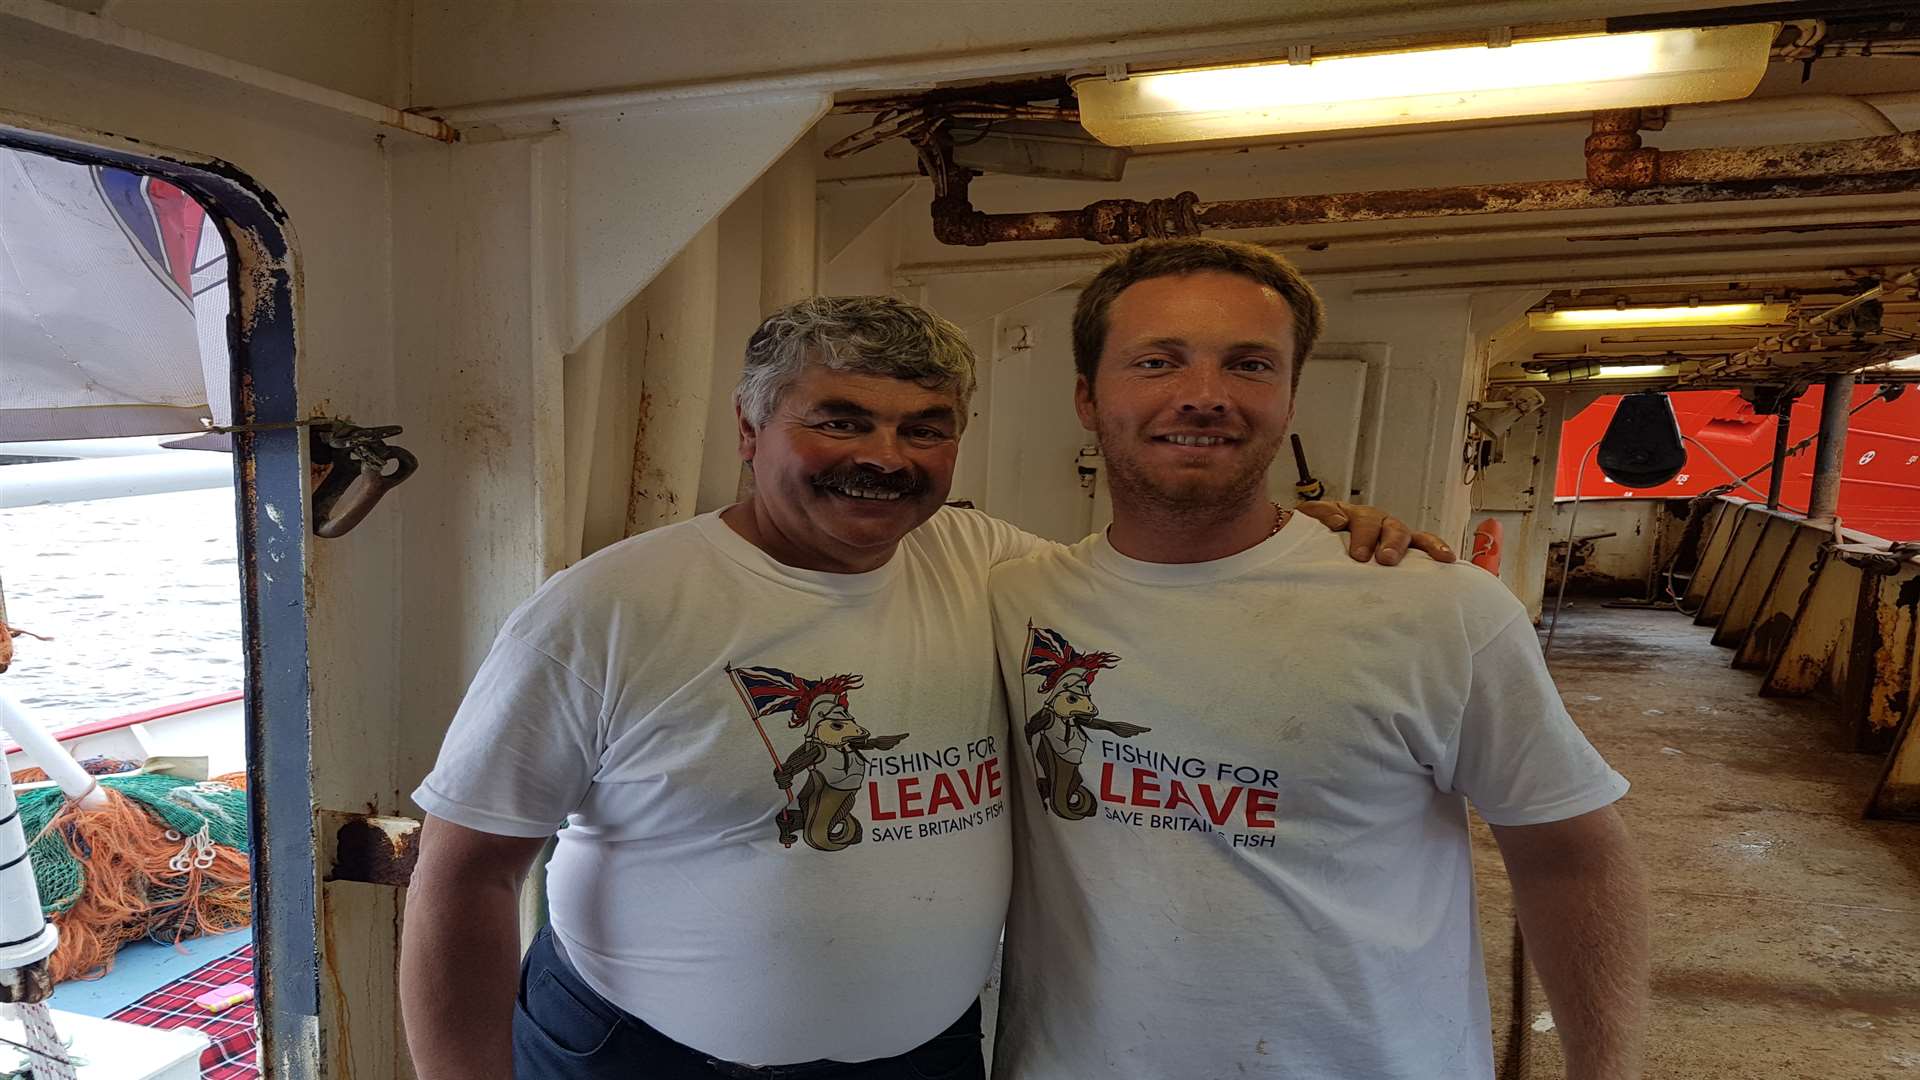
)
(1476, 82)
(1612, 318)
(1905, 363)
(1632, 369)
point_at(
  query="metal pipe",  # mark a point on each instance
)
(1532, 271)
(1642, 166)
(1861, 110)
(1620, 173)
(1531, 197)
(1829, 456)
(45, 751)
(1122, 221)
(1712, 223)
(78, 24)
(1782, 430)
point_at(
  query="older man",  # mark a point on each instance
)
(775, 739)
(1258, 864)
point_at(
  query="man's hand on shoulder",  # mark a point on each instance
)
(1372, 533)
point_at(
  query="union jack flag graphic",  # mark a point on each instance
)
(1052, 657)
(770, 690)
(161, 222)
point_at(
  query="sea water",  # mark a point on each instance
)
(140, 595)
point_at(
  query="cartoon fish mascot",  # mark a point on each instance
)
(831, 757)
(1058, 731)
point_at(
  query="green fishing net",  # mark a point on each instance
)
(198, 812)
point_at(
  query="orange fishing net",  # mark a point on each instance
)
(163, 859)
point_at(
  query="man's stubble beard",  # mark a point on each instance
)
(1209, 496)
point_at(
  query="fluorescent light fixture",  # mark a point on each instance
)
(1905, 363)
(1632, 369)
(1615, 318)
(1477, 82)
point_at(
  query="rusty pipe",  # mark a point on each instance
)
(1616, 160)
(1869, 166)
(1122, 221)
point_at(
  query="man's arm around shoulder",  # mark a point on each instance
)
(460, 950)
(1581, 896)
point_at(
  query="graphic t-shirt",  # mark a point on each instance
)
(1241, 841)
(783, 790)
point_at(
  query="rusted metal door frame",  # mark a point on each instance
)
(268, 469)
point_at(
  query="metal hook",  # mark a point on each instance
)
(358, 478)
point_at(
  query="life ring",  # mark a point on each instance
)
(1486, 546)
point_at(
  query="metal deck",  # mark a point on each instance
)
(1786, 933)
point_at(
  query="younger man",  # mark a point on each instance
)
(1249, 852)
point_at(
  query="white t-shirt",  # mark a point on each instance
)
(607, 705)
(1260, 865)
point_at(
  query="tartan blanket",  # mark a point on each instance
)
(232, 1055)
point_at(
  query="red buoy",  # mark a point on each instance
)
(1486, 546)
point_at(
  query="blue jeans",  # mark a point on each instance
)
(564, 1030)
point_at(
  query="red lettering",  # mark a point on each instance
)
(873, 798)
(1220, 813)
(991, 770)
(909, 796)
(943, 793)
(1259, 802)
(1177, 796)
(1145, 788)
(971, 781)
(1106, 784)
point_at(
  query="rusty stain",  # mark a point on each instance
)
(342, 1027)
(375, 850)
(481, 423)
(26, 985)
(1795, 677)
(637, 490)
(1768, 638)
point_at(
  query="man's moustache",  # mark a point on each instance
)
(905, 482)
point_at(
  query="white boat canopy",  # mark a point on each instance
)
(113, 305)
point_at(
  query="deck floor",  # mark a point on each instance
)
(1786, 929)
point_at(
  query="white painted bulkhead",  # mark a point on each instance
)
(515, 298)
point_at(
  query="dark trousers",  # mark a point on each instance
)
(563, 1030)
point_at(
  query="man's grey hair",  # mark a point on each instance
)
(867, 335)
